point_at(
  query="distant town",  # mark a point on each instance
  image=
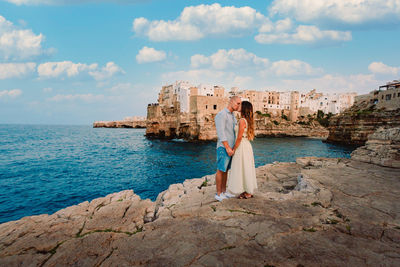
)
(187, 111)
(211, 99)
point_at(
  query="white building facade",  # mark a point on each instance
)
(182, 91)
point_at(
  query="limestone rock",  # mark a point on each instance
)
(119, 124)
(382, 148)
(357, 123)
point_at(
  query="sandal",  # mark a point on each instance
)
(242, 196)
(247, 195)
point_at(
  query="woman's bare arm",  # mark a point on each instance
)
(242, 126)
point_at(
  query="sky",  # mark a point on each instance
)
(75, 62)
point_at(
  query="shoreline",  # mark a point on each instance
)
(312, 212)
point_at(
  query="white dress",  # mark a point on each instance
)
(242, 176)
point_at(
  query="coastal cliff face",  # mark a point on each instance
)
(357, 123)
(119, 124)
(382, 148)
(280, 127)
(202, 128)
(314, 212)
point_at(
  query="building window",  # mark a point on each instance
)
(388, 97)
(398, 94)
(215, 107)
(382, 96)
(206, 106)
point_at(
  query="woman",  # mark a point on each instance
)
(242, 178)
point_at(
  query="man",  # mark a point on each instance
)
(225, 123)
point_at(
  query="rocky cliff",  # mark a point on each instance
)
(203, 128)
(119, 124)
(382, 148)
(281, 127)
(314, 212)
(357, 123)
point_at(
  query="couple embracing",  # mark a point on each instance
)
(234, 151)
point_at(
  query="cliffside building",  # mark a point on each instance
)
(387, 96)
(328, 103)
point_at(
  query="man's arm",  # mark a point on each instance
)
(228, 149)
(220, 121)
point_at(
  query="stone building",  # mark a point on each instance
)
(387, 96)
(274, 103)
(176, 116)
(254, 97)
(166, 96)
(207, 105)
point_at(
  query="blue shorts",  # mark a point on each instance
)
(223, 159)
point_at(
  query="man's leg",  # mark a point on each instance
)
(223, 181)
(218, 181)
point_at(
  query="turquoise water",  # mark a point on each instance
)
(47, 168)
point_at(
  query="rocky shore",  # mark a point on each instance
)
(312, 212)
(119, 124)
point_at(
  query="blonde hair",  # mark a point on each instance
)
(247, 113)
(233, 98)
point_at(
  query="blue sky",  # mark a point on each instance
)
(75, 62)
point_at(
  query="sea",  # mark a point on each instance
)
(44, 168)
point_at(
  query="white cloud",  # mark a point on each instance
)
(80, 97)
(243, 60)
(242, 81)
(199, 60)
(70, 69)
(10, 93)
(196, 22)
(342, 11)
(47, 90)
(333, 83)
(293, 68)
(233, 58)
(106, 72)
(18, 43)
(303, 34)
(149, 54)
(380, 68)
(11, 70)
